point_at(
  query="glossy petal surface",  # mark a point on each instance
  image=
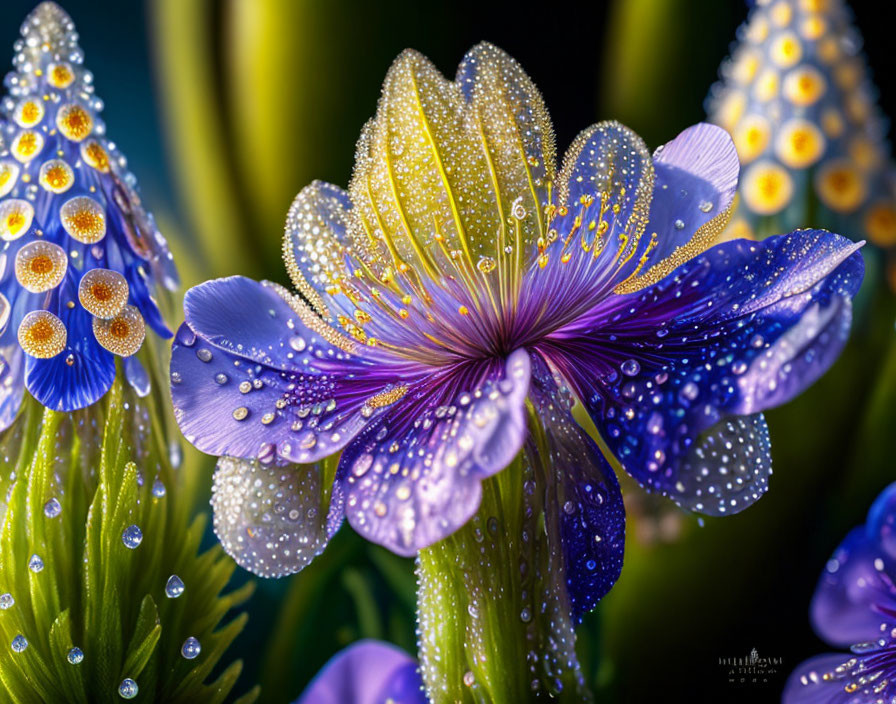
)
(582, 497)
(741, 328)
(367, 672)
(250, 379)
(414, 477)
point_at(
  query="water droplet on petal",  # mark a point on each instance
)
(35, 564)
(19, 643)
(75, 656)
(6, 601)
(158, 488)
(679, 224)
(469, 678)
(630, 367)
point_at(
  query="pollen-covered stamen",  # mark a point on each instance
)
(94, 155)
(84, 219)
(103, 292)
(56, 176)
(767, 188)
(840, 186)
(40, 266)
(42, 334)
(800, 143)
(29, 112)
(122, 335)
(27, 145)
(15, 218)
(60, 75)
(74, 122)
(9, 174)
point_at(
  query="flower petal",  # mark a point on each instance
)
(858, 580)
(273, 520)
(696, 178)
(582, 496)
(727, 468)
(597, 231)
(367, 672)
(414, 477)
(741, 328)
(507, 117)
(807, 684)
(316, 245)
(249, 379)
(83, 371)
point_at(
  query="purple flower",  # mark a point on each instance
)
(458, 298)
(855, 606)
(367, 672)
(80, 259)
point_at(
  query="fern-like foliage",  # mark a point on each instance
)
(75, 485)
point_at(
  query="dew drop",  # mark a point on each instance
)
(204, 355)
(525, 615)
(174, 587)
(191, 648)
(158, 488)
(705, 206)
(297, 343)
(6, 601)
(52, 508)
(75, 656)
(690, 391)
(35, 564)
(19, 643)
(469, 678)
(630, 367)
(132, 536)
(679, 224)
(128, 688)
(220, 378)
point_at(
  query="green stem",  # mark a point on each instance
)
(493, 613)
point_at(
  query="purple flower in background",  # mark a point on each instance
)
(855, 606)
(458, 298)
(367, 672)
(80, 259)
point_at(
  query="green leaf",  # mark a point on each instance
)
(94, 591)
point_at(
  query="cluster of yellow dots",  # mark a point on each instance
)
(796, 100)
(51, 139)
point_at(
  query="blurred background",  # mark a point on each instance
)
(227, 109)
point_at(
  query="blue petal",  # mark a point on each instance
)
(367, 672)
(248, 379)
(812, 682)
(414, 477)
(739, 329)
(83, 372)
(583, 498)
(142, 297)
(696, 178)
(856, 589)
(598, 232)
